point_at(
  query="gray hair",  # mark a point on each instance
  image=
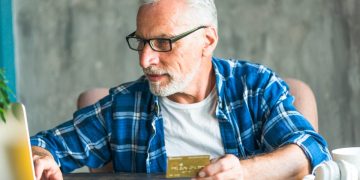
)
(204, 11)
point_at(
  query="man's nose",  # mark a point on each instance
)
(148, 56)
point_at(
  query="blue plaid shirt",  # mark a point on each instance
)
(254, 109)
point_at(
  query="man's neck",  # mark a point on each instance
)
(199, 89)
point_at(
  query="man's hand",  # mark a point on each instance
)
(45, 165)
(287, 162)
(226, 167)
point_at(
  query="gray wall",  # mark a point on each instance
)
(66, 46)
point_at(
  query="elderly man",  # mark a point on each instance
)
(188, 103)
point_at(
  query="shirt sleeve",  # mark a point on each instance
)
(283, 124)
(82, 141)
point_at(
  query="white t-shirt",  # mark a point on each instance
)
(192, 129)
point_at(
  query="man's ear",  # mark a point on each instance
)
(211, 39)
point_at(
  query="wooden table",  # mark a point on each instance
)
(115, 176)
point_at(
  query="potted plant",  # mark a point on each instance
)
(4, 96)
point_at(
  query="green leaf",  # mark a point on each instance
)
(2, 115)
(5, 92)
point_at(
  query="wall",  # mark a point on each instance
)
(67, 46)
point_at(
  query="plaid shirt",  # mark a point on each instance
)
(254, 109)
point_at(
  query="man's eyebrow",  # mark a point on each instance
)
(168, 35)
(162, 35)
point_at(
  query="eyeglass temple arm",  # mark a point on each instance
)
(186, 33)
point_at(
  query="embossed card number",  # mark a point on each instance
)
(186, 166)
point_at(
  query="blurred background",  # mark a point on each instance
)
(63, 47)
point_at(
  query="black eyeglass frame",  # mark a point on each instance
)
(170, 40)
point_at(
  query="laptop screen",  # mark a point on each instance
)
(15, 150)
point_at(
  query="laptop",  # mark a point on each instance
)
(15, 150)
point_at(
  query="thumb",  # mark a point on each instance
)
(214, 160)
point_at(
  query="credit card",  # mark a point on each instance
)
(185, 166)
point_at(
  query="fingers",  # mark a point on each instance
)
(54, 175)
(46, 168)
(234, 173)
(226, 167)
(38, 166)
(225, 163)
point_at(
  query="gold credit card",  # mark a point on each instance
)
(185, 166)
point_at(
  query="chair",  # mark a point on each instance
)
(305, 103)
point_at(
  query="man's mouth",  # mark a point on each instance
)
(155, 77)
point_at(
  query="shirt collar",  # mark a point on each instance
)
(220, 88)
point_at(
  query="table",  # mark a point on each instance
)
(115, 176)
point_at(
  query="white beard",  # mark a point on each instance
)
(176, 83)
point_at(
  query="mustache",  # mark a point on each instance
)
(154, 70)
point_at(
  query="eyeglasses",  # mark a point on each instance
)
(156, 44)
